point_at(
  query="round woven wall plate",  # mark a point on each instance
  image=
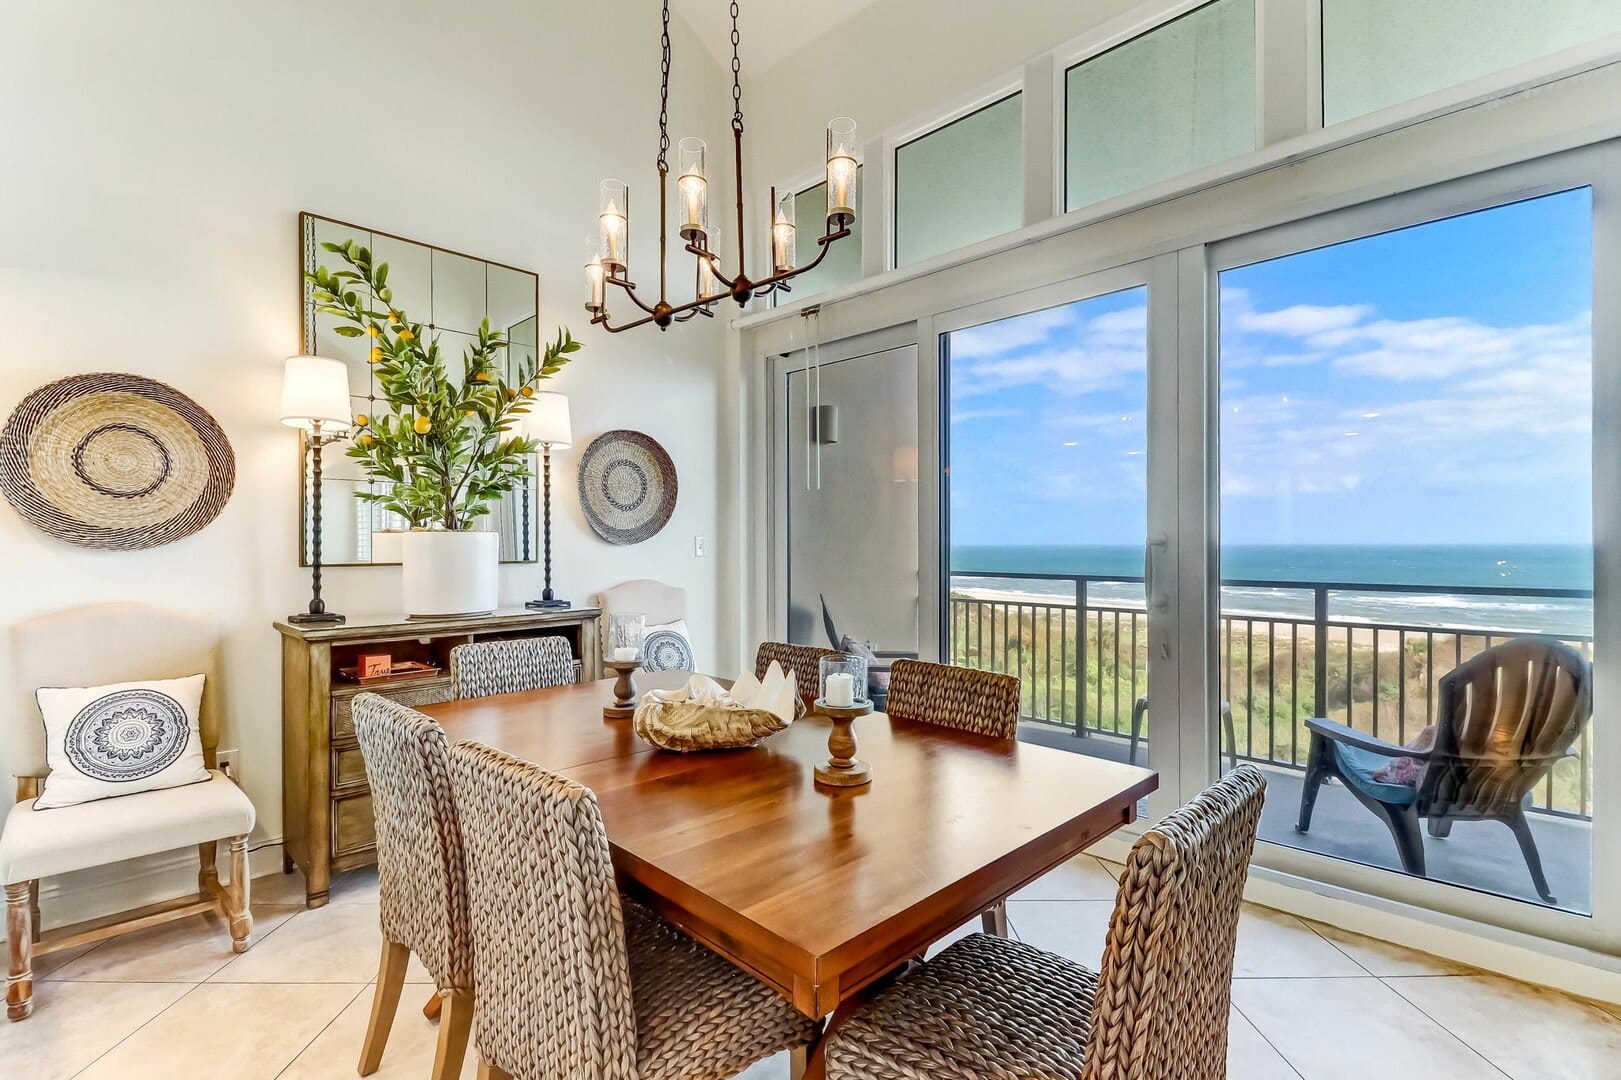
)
(115, 461)
(627, 486)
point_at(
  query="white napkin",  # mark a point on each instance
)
(774, 694)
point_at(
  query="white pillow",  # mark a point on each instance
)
(667, 647)
(120, 739)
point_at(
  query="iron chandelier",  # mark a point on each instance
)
(608, 259)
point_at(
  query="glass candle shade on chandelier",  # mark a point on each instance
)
(608, 252)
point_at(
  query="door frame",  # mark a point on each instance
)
(1596, 167)
(1161, 531)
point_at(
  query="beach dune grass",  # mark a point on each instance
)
(1381, 680)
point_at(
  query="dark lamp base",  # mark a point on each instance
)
(548, 605)
(315, 618)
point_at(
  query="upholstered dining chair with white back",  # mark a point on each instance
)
(669, 644)
(93, 646)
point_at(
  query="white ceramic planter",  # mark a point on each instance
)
(451, 573)
(386, 546)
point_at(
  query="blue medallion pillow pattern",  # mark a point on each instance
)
(120, 739)
(667, 647)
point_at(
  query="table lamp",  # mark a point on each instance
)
(315, 398)
(547, 422)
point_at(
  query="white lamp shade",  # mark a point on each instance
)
(315, 388)
(547, 420)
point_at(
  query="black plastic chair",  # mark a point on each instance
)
(1506, 717)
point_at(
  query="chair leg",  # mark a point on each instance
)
(20, 941)
(798, 1062)
(1232, 737)
(1533, 859)
(385, 1001)
(455, 1022)
(1403, 823)
(1137, 711)
(994, 921)
(208, 873)
(431, 1008)
(239, 896)
(1440, 827)
(1317, 770)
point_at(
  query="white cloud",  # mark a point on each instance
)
(1301, 319)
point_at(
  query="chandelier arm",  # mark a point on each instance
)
(670, 314)
(714, 264)
(824, 242)
(630, 291)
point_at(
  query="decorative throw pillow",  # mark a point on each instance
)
(667, 647)
(120, 739)
(1406, 770)
(877, 677)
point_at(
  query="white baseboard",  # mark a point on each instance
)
(1570, 968)
(125, 886)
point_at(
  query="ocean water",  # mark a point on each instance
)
(1465, 571)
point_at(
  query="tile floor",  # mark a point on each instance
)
(1309, 1001)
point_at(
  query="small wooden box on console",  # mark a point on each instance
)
(326, 803)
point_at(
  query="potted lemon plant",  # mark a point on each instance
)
(446, 450)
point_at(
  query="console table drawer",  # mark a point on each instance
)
(348, 769)
(353, 825)
(426, 692)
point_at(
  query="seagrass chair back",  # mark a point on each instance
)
(805, 661)
(1164, 992)
(511, 666)
(983, 702)
(1506, 716)
(421, 878)
(554, 992)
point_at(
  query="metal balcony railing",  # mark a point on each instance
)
(1083, 664)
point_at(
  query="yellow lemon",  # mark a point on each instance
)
(511, 393)
(372, 331)
(361, 420)
(377, 356)
(469, 412)
(423, 425)
(393, 318)
(365, 439)
(482, 376)
(406, 335)
(527, 391)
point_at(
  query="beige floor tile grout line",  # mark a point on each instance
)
(1460, 1039)
(1287, 1064)
(324, 1028)
(139, 1027)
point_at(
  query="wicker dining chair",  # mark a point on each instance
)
(805, 661)
(983, 702)
(511, 666)
(987, 1006)
(571, 980)
(422, 882)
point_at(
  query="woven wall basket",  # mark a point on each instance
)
(627, 486)
(115, 461)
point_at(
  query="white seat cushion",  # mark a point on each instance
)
(43, 843)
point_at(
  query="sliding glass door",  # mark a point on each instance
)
(1406, 474)
(1057, 510)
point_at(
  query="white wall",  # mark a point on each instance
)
(155, 157)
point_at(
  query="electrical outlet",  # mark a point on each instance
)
(700, 546)
(226, 760)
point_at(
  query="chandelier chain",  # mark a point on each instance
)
(737, 76)
(664, 93)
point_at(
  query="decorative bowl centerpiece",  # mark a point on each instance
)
(704, 716)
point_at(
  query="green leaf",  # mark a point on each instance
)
(347, 331)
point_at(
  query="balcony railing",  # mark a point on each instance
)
(1083, 663)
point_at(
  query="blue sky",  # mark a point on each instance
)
(1431, 385)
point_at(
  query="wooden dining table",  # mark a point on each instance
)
(821, 892)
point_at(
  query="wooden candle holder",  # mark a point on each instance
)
(624, 706)
(843, 768)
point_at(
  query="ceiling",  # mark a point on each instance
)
(771, 30)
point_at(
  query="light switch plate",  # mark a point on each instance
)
(700, 546)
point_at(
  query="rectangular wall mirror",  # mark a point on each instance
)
(451, 293)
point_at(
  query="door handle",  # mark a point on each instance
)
(1153, 551)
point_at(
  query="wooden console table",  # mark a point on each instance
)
(327, 820)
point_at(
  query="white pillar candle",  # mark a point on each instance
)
(624, 654)
(840, 690)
